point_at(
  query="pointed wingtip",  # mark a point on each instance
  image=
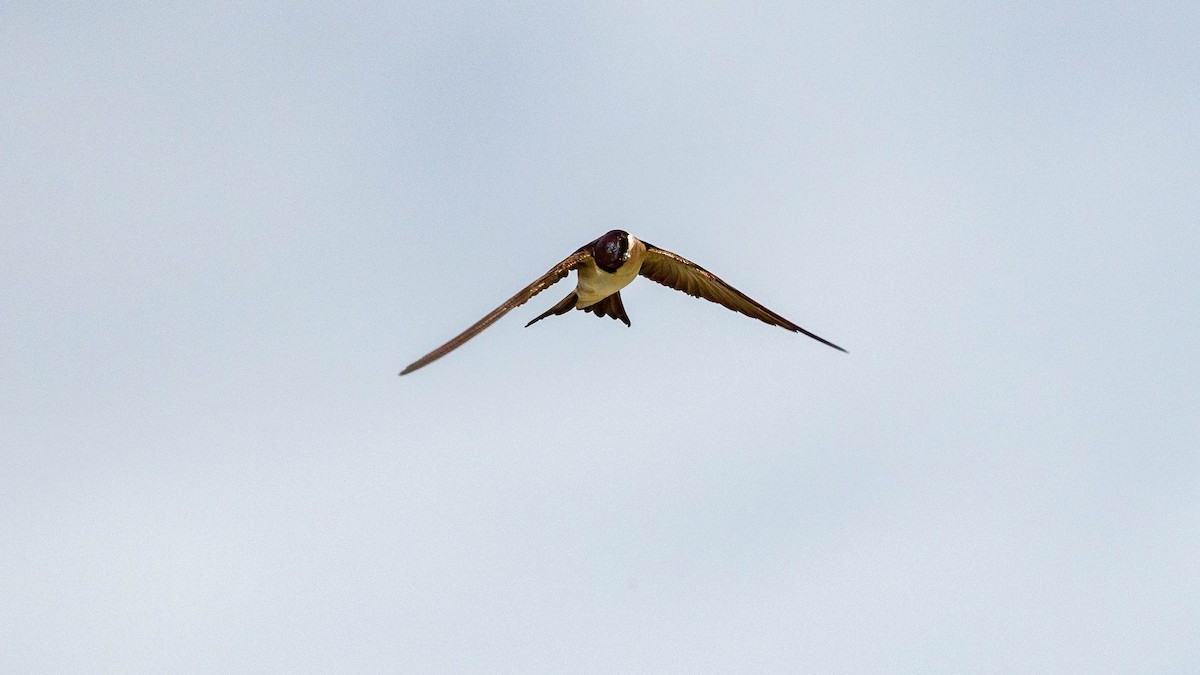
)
(833, 345)
(820, 339)
(827, 342)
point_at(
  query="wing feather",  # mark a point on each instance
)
(675, 271)
(554, 275)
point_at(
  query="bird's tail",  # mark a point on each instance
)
(567, 304)
(610, 306)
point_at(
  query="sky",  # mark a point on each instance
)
(225, 229)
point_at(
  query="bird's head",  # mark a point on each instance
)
(611, 250)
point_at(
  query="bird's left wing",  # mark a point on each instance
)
(543, 282)
(675, 271)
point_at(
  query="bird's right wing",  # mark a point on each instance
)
(543, 282)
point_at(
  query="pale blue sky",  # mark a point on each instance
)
(225, 229)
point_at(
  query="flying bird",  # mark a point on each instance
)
(605, 266)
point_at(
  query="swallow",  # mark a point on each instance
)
(603, 267)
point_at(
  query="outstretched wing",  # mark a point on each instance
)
(679, 273)
(543, 282)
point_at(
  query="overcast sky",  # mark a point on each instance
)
(225, 229)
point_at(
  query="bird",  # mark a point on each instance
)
(606, 265)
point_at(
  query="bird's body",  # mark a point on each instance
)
(603, 267)
(593, 284)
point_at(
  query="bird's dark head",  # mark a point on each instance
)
(611, 250)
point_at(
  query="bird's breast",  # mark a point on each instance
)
(594, 284)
